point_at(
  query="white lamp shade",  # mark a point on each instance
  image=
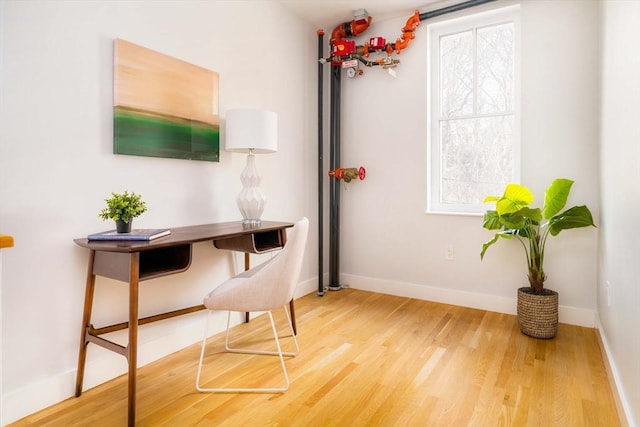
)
(251, 130)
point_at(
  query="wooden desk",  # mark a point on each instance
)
(134, 261)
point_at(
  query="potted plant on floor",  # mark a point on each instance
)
(537, 306)
(122, 208)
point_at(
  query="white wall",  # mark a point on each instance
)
(619, 236)
(0, 334)
(57, 166)
(388, 242)
(56, 126)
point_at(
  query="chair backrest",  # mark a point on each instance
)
(269, 285)
(292, 256)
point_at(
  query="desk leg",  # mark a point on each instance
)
(292, 313)
(86, 320)
(132, 356)
(247, 265)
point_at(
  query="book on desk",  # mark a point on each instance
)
(140, 234)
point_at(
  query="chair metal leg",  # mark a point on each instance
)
(279, 353)
(265, 352)
(204, 344)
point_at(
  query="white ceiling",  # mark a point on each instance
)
(327, 14)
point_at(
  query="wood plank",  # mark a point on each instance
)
(371, 359)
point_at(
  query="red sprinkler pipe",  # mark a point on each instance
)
(350, 29)
(407, 32)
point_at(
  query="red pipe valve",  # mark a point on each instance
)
(349, 173)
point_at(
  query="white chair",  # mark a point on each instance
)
(268, 286)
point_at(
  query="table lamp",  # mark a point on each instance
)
(254, 132)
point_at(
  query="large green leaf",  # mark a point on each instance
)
(521, 218)
(513, 220)
(575, 217)
(491, 199)
(535, 215)
(515, 198)
(504, 235)
(555, 198)
(491, 221)
(486, 245)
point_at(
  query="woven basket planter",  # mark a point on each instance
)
(538, 314)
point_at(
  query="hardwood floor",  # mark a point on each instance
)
(371, 359)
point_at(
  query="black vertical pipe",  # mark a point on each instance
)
(334, 186)
(334, 146)
(452, 8)
(320, 167)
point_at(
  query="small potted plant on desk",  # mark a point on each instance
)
(537, 306)
(122, 208)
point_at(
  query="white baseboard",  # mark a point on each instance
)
(103, 365)
(571, 315)
(306, 287)
(622, 403)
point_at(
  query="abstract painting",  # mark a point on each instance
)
(164, 107)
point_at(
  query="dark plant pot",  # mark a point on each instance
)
(123, 227)
(538, 314)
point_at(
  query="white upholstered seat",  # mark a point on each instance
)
(265, 287)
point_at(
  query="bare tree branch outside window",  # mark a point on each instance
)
(477, 118)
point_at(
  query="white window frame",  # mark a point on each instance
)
(434, 32)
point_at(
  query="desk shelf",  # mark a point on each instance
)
(256, 243)
(153, 263)
(164, 261)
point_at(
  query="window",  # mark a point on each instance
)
(473, 110)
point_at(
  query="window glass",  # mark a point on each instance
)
(495, 68)
(473, 119)
(456, 74)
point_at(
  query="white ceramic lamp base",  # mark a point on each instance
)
(250, 200)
